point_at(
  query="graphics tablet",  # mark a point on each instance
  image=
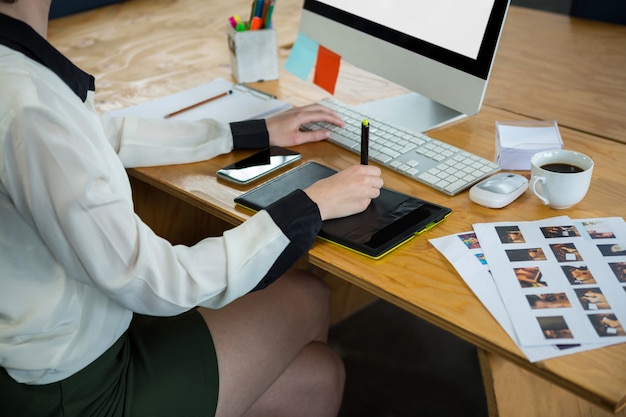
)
(390, 220)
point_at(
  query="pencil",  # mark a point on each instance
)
(193, 106)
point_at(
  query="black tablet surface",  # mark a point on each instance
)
(390, 220)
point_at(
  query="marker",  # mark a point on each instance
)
(365, 141)
(256, 23)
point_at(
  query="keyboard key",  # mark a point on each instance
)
(348, 142)
(429, 178)
(455, 185)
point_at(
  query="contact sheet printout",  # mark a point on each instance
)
(556, 286)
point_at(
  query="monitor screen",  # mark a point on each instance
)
(443, 50)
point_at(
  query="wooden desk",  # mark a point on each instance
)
(554, 67)
(141, 50)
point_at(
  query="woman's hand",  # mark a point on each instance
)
(348, 192)
(284, 128)
(343, 194)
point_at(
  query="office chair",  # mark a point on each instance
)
(64, 7)
(612, 11)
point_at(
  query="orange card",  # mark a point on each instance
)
(326, 69)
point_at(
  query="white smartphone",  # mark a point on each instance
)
(258, 165)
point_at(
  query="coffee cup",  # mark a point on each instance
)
(560, 178)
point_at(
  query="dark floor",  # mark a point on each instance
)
(398, 365)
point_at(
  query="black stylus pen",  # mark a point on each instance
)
(365, 141)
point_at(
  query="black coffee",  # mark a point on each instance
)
(563, 168)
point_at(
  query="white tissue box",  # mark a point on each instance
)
(517, 141)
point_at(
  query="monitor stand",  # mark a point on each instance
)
(411, 111)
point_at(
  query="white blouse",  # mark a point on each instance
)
(75, 260)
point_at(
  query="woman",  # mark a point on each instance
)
(99, 316)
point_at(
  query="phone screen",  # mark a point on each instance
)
(258, 165)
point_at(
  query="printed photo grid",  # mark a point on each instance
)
(557, 286)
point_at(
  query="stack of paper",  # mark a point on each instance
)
(517, 142)
(557, 286)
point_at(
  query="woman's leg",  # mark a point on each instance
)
(272, 356)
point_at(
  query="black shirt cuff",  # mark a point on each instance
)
(299, 219)
(250, 134)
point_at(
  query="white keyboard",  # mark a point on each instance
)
(441, 166)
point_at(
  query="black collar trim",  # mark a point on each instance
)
(20, 37)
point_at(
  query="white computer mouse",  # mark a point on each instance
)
(498, 190)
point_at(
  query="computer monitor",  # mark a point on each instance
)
(440, 50)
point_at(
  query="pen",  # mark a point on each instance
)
(264, 9)
(268, 17)
(259, 8)
(255, 4)
(254, 90)
(193, 106)
(365, 141)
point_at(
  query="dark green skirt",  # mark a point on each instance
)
(161, 367)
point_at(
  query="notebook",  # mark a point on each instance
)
(390, 220)
(243, 103)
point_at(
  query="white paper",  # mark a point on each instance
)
(528, 137)
(463, 251)
(552, 275)
(242, 104)
(517, 142)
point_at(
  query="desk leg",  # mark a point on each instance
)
(515, 392)
(174, 219)
(345, 298)
(488, 382)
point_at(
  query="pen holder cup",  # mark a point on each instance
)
(253, 55)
